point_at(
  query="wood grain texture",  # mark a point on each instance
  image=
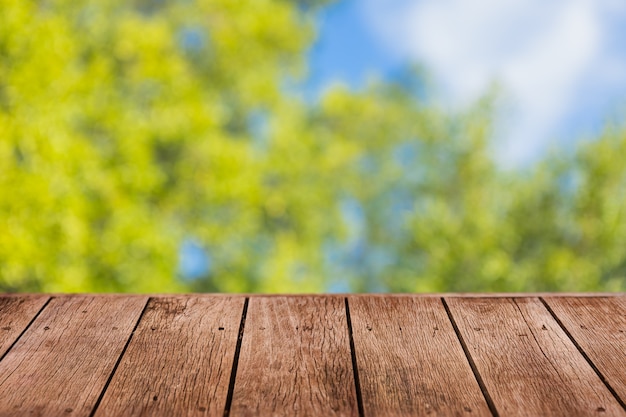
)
(15, 314)
(528, 364)
(295, 359)
(62, 362)
(179, 360)
(410, 361)
(599, 327)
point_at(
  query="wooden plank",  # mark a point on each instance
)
(62, 362)
(410, 361)
(179, 360)
(436, 295)
(528, 364)
(382, 295)
(599, 327)
(295, 359)
(532, 294)
(16, 312)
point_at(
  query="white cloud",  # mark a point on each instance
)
(542, 53)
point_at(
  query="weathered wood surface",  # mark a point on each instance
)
(410, 361)
(599, 327)
(528, 364)
(179, 360)
(295, 359)
(63, 361)
(354, 355)
(15, 314)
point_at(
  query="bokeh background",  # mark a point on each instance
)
(312, 146)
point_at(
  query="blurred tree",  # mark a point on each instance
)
(132, 129)
(124, 128)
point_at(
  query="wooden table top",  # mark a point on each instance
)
(319, 355)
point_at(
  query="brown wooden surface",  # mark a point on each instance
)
(295, 359)
(62, 362)
(599, 327)
(410, 361)
(528, 364)
(179, 360)
(15, 314)
(355, 355)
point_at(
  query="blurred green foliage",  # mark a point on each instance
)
(127, 127)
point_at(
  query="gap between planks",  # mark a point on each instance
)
(583, 353)
(26, 328)
(470, 360)
(119, 359)
(233, 372)
(355, 368)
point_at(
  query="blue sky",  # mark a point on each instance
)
(560, 65)
(348, 50)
